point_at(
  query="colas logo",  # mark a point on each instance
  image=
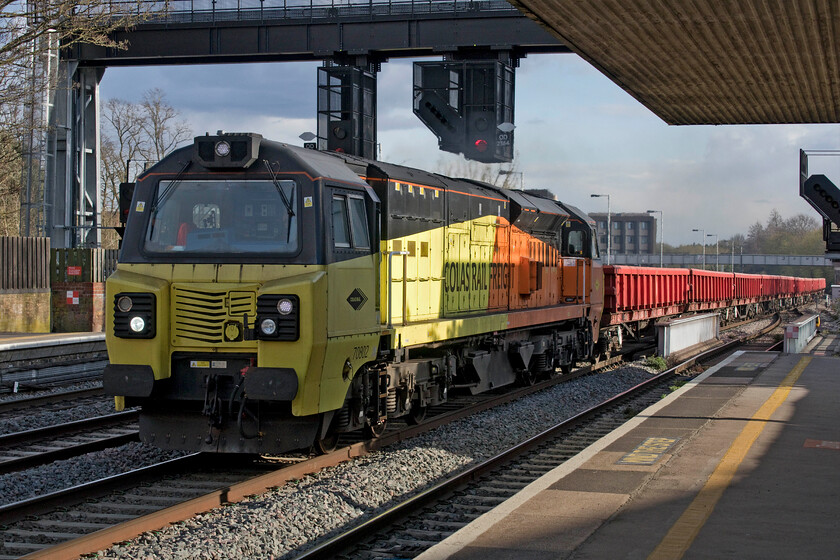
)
(357, 299)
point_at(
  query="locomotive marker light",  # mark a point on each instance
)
(227, 150)
(284, 306)
(222, 149)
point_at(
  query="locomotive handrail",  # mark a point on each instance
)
(584, 282)
(390, 270)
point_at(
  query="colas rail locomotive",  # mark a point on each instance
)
(269, 297)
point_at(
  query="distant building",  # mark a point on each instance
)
(632, 234)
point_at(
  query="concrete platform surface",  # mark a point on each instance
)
(17, 341)
(742, 462)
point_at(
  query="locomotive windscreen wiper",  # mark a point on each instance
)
(279, 188)
(170, 187)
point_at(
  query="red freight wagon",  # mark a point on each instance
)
(634, 293)
(788, 285)
(711, 289)
(747, 288)
(769, 286)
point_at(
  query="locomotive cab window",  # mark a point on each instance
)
(576, 241)
(349, 222)
(223, 216)
(574, 244)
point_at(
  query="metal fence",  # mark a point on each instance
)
(24, 264)
(202, 11)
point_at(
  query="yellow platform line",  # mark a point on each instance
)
(682, 534)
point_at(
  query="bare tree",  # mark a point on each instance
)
(30, 33)
(10, 171)
(134, 135)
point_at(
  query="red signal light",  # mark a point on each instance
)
(481, 145)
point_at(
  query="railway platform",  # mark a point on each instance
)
(741, 462)
(16, 341)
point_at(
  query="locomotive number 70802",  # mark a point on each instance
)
(361, 352)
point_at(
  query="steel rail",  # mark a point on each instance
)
(17, 511)
(330, 548)
(333, 546)
(30, 402)
(29, 438)
(105, 538)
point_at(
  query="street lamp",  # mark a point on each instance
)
(609, 229)
(520, 173)
(703, 233)
(717, 262)
(661, 233)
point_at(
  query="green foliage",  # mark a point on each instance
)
(677, 385)
(797, 235)
(656, 362)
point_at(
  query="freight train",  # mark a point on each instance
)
(270, 297)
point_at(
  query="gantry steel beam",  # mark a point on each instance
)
(234, 31)
(373, 30)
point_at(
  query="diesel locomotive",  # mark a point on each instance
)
(270, 297)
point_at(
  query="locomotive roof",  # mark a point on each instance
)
(528, 201)
(578, 213)
(316, 163)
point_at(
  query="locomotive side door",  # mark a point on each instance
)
(353, 268)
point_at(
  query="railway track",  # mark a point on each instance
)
(30, 448)
(32, 364)
(53, 402)
(426, 519)
(52, 527)
(429, 517)
(75, 521)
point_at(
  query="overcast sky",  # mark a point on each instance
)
(577, 133)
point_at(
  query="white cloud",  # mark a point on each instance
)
(577, 133)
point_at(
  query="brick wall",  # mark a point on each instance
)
(78, 306)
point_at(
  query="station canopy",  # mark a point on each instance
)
(709, 61)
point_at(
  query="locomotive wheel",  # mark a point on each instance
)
(567, 368)
(374, 431)
(327, 445)
(416, 415)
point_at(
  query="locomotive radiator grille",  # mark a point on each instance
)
(203, 317)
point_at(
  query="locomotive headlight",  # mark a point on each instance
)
(137, 324)
(284, 306)
(268, 327)
(222, 149)
(125, 304)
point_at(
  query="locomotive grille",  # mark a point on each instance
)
(201, 317)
